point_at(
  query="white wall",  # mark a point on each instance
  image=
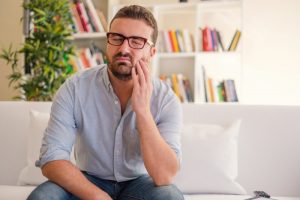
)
(271, 51)
(10, 33)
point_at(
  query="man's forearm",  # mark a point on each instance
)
(160, 160)
(65, 174)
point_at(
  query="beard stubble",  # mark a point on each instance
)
(121, 70)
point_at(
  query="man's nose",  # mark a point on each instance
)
(124, 47)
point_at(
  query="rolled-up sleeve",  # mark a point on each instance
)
(59, 136)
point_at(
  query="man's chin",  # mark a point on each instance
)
(121, 71)
(122, 76)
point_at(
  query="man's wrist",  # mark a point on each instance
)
(143, 114)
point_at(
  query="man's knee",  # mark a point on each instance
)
(47, 191)
(144, 188)
(167, 192)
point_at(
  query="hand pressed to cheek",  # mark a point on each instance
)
(142, 87)
(144, 74)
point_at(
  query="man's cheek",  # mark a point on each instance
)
(146, 59)
(134, 61)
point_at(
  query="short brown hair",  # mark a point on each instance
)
(140, 13)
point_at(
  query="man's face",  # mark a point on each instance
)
(122, 58)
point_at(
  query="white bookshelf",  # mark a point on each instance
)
(226, 16)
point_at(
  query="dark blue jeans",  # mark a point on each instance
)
(141, 188)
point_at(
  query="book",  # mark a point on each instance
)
(76, 18)
(210, 90)
(215, 40)
(167, 42)
(176, 86)
(188, 89)
(220, 91)
(200, 86)
(207, 39)
(234, 41)
(174, 41)
(94, 16)
(103, 20)
(180, 80)
(230, 90)
(200, 37)
(83, 16)
(179, 37)
(161, 44)
(220, 43)
(171, 41)
(187, 40)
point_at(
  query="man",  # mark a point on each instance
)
(125, 126)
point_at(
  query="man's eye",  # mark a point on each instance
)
(137, 41)
(117, 39)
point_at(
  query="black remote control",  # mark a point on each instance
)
(261, 194)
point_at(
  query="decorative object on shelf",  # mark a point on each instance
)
(46, 49)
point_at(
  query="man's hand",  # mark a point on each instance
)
(142, 88)
(68, 176)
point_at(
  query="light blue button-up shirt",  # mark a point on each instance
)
(86, 112)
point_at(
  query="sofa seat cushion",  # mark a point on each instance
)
(8, 192)
(22, 192)
(229, 197)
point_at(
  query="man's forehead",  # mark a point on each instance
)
(131, 27)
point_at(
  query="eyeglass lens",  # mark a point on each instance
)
(133, 41)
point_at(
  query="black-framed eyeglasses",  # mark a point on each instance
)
(134, 42)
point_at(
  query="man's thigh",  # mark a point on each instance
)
(48, 191)
(143, 188)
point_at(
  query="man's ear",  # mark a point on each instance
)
(152, 51)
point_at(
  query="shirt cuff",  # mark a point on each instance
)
(55, 154)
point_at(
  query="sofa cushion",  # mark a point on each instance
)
(209, 163)
(32, 175)
(22, 192)
(8, 192)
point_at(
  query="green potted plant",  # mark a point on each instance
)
(46, 51)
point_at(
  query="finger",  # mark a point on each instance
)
(134, 77)
(146, 71)
(141, 75)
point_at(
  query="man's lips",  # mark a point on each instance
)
(123, 59)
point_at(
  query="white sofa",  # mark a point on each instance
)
(268, 147)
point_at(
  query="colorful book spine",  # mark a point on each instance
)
(234, 41)
(94, 17)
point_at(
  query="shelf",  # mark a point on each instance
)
(216, 53)
(214, 6)
(176, 55)
(172, 8)
(81, 36)
(201, 53)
